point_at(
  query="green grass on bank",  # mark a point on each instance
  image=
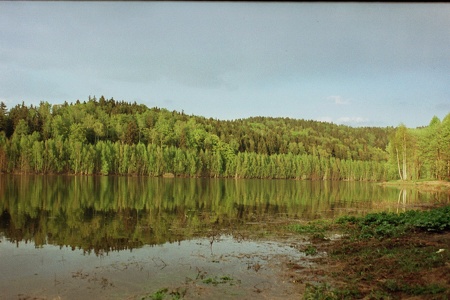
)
(384, 256)
(382, 225)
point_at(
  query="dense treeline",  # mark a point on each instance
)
(116, 137)
(422, 152)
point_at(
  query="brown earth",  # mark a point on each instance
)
(416, 266)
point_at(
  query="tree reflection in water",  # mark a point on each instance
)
(104, 214)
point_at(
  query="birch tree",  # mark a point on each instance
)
(400, 147)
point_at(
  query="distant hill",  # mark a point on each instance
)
(105, 136)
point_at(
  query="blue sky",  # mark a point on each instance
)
(357, 64)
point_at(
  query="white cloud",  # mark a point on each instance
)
(347, 120)
(325, 119)
(344, 120)
(338, 100)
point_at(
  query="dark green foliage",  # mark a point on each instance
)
(160, 294)
(219, 280)
(394, 286)
(382, 225)
(394, 254)
(165, 294)
(310, 250)
(326, 292)
(3, 116)
(132, 133)
(433, 220)
(160, 141)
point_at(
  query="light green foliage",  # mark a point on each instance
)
(422, 153)
(3, 152)
(445, 143)
(60, 127)
(91, 138)
(21, 129)
(106, 158)
(37, 157)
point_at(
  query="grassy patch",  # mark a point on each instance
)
(164, 293)
(310, 250)
(388, 225)
(180, 292)
(219, 280)
(315, 230)
(326, 292)
(384, 256)
(413, 290)
(323, 291)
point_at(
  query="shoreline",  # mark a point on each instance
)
(425, 185)
(376, 257)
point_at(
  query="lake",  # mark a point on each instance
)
(72, 237)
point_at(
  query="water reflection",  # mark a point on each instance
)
(113, 213)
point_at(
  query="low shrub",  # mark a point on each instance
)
(382, 225)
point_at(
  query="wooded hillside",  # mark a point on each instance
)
(101, 136)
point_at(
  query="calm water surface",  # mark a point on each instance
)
(67, 237)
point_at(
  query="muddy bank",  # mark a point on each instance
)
(381, 257)
(412, 267)
(256, 264)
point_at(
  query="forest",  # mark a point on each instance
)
(108, 137)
